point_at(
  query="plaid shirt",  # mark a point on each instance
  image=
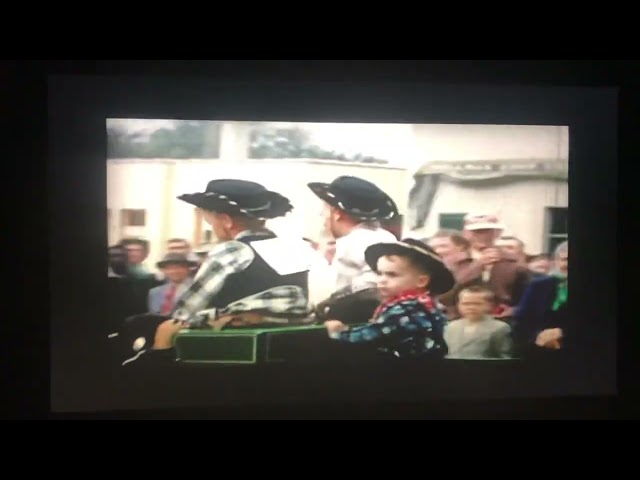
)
(223, 260)
(279, 304)
(405, 317)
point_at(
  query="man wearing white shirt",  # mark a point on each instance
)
(353, 209)
(321, 274)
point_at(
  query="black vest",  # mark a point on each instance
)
(256, 278)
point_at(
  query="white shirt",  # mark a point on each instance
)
(486, 272)
(351, 269)
(322, 279)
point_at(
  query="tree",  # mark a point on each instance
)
(191, 139)
(272, 142)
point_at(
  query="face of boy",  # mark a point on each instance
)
(397, 274)
(473, 305)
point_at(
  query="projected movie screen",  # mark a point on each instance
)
(248, 243)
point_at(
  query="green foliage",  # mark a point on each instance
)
(294, 143)
(195, 139)
(188, 140)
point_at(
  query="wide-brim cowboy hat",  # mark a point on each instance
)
(441, 278)
(240, 197)
(176, 259)
(357, 197)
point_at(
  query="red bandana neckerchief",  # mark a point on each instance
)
(422, 296)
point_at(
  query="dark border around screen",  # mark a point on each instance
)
(76, 174)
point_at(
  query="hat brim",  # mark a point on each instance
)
(280, 205)
(323, 192)
(485, 226)
(186, 263)
(440, 277)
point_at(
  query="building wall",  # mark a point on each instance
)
(490, 142)
(520, 205)
(136, 186)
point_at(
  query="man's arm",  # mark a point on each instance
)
(467, 271)
(387, 323)
(225, 259)
(365, 333)
(526, 320)
(522, 281)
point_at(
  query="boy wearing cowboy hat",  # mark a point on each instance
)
(353, 209)
(234, 269)
(408, 322)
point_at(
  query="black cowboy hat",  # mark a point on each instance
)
(240, 197)
(357, 197)
(441, 278)
(174, 258)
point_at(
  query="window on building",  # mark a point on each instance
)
(133, 218)
(451, 221)
(557, 230)
(202, 232)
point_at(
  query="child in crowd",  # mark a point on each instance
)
(477, 335)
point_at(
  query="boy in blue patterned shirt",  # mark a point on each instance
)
(408, 322)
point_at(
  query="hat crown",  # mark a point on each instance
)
(247, 194)
(483, 221)
(358, 193)
(235, 187)
(441, 278)
(357, 188)
(240, 197)
(419, 244)
(481, 217)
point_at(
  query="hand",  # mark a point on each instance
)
(490, 256)
(165, 333)
(455, 257)
(334, 326)
(549, 338)
(320, 308)
(553, 344)
(505, 312)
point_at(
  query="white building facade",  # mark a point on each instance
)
(149, 188)
(520, 174)
(479, 167)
